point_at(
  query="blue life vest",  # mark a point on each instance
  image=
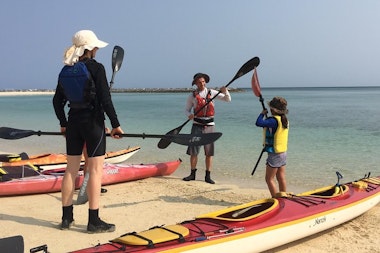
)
(78, 85)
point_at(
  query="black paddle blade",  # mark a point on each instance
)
(14, 134)
(164, 143)
(117, 58)
(247, 67)
(194, 139)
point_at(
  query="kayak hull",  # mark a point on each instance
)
(51, 180)
(55, 161)
(259, 225)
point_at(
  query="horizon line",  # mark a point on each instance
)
(190, 88)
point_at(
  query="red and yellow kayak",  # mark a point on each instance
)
(54, 161)
(256, 226)
(26, 179)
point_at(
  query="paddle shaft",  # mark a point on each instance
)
(200, 109)
(242, 71)
(238, 74)
(248, 66)
(111, 82)
(258, 160)
(164, 142)
(257, 91)
(143, 135)
(182, 139)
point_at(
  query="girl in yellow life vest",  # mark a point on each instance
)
(276, 130)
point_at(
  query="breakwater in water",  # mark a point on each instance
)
(167, 90)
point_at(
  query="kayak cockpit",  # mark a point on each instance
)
(207, 224)
(8, 173)
(248, 211)
(327, 192)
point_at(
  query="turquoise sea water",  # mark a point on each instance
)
(331, 129)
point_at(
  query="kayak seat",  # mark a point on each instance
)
(154, 235)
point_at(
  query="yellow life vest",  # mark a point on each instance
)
(280, 138)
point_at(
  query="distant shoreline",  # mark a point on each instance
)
(22, 92)
(25, 93)
(134, 90)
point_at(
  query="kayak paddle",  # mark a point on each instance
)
(181, 139)
(257, 91)
(247, 67)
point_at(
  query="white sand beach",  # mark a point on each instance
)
(139, 205)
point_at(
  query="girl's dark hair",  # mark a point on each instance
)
(284, 121)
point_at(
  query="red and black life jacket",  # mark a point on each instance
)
(206, 111)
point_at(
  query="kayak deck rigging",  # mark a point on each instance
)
(246, 227)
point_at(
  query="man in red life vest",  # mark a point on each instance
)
(200, 109)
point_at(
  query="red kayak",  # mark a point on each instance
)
(256, 226)
(26, 179)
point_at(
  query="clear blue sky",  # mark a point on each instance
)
(299, 42)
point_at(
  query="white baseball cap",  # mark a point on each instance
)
(84, 39)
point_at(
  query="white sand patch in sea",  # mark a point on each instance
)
(26, 93)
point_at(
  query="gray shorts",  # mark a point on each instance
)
(276, 160)
(209, 148)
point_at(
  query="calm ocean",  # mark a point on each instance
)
(331, 129)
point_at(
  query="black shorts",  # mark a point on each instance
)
(209, 148)
(86, 131)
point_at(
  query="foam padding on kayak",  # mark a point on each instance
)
(154, 235)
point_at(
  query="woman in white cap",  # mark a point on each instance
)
(85, 124)
(276, 130)
(200, 109)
